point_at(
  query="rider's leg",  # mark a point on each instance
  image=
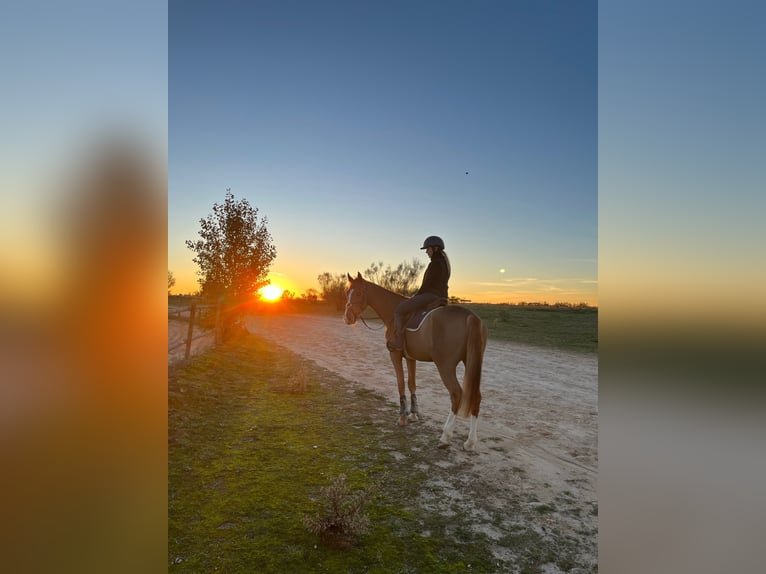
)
(402, 310)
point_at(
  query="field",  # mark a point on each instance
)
(570, 328)
(258, 427)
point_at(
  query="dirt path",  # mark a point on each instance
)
(177, 332)
(537, 428)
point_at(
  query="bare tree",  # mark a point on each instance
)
(333, 288)
(311, 295)
(401, 280)
(171, 280)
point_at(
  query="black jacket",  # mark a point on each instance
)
(436, 276)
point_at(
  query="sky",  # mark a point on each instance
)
(681, 162)
(359, 128)
(73, 76)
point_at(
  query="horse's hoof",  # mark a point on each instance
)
(402, 421)
(469, 446)
(414, 417)
(443, 444)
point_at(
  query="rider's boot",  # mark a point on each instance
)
(395, 343)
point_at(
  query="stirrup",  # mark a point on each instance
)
(395, 344)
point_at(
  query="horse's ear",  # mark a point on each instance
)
(349, 276)
(358, 275)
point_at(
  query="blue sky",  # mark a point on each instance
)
(350, 126)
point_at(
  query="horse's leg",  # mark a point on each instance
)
(411, 384)
(449, 428)
(449, 378)
(470, 444)
(396, 359)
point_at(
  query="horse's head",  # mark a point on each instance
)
(357, 298)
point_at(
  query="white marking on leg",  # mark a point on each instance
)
(473, 440)
(449, 427)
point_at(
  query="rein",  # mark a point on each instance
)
(370, 328)
(363, 304)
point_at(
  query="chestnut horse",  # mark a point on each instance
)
(447, 336)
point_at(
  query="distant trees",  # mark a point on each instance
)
(332, 288)
(403, 280)
(311, 295)
(235, 250)
(171, 280)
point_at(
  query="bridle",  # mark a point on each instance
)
(351, 315)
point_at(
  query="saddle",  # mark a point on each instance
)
(413, 321)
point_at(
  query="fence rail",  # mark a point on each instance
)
(178, 312)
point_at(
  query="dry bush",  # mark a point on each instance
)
(343, 517)
(296, 384)
(299, 381)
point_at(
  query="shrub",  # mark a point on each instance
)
(343, 517)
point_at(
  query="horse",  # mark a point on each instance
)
(448, 335)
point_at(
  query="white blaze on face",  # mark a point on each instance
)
(348, 316)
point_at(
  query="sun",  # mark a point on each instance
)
(271, 292)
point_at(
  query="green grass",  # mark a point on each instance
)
(254, 434)
(567, 328)
(248, 457)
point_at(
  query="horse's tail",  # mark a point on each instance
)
(477, 341)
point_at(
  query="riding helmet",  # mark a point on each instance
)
(433, 241)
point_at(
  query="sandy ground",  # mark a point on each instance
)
(537, 427)
(177, 333)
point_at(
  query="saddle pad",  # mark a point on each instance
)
(417, 318)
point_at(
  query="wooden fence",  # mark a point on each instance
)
(195, 311)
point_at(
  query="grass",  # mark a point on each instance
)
(256, 433)
(567, 328)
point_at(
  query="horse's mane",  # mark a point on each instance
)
(383, 289)
(383, 300)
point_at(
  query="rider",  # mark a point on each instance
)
(434, 287)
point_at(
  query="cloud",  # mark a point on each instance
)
(517, 281)
(522, 281)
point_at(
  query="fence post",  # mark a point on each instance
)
(192, 311)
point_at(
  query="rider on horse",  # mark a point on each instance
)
(432, 290)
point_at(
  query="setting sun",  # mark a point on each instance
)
(270, 292)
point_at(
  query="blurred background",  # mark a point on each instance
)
(83, 301)
(83, 413)
(681, 283)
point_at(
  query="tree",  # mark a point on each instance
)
(235, 251)
(311, 295)
(333, 288)
(171, 280)
(402, 280)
